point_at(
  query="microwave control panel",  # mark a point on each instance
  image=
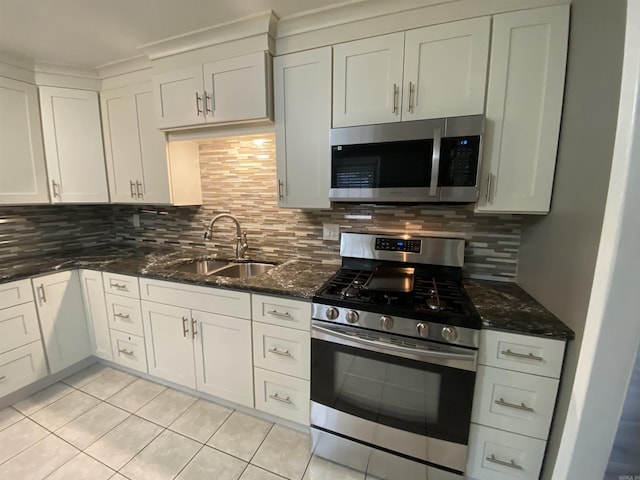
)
(398, 245)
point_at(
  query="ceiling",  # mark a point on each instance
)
(91, 33)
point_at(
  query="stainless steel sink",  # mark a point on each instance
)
(203, 267)
(224, 268)
(244, 270)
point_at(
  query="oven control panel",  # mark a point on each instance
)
(398, 245)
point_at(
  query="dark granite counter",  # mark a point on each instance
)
(292, 278)
(507, 307)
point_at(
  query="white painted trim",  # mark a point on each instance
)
(612, 330)
(66, 76)
(128, 65)
(260, 23)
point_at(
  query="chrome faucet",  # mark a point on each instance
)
(241, 237)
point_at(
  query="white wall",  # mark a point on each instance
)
(612, 330)
(558, 252)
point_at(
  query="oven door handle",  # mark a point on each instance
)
(457, 359)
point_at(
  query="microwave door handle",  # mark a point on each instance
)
(388, 348)
(435, 162)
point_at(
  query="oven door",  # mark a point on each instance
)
(408, 396)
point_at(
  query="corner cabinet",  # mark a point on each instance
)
(24, 176)
(302, 94)
(231, 90)
(73, 145)
(141, 165)
(62, 319)
(431, 72)
(524, 106)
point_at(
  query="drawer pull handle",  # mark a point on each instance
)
(119, 286)
(286, 353)
(122, 315)
(276, 313)
(194, 328)
(185, 327)
(280, 399)
(43, 295)
(126, 352)
(3, 378)
(528, 356)
(522, 406)
(510, 463)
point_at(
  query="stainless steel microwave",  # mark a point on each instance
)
(423, 161)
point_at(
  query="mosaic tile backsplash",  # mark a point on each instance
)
(239, 177)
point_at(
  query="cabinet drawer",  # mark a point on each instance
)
(18, 326)
(281, 311)
(207, 299)
(281, 395)
(522, 353)
(497, 455)
(21, 366)
(282, 350)
(513, 401)
(15, 293)
(128, 350)
(124, 314)
(121, 285)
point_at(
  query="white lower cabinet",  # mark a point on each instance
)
(124, 314)
(62, 319)
(201, 340)
(128, 350)
(282, 356)
(514, 400)
(21, 366)
(223, 356)
(500, 455)
(22, 359)
(95, 309)
(282, 395)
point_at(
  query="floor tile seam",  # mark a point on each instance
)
(307, 467)
(44, 406)
(22, 416)
(266, 470)
(27, 447)
(141, 406)
(210, 436)
(190, 460)
(232, 455)
(140, 451)
(51, 434)
(67, 423)
(261, 443)
(78, 387)
(111, 395)
(129, 415)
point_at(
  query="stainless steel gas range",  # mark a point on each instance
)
(394, 348)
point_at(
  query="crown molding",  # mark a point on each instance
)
(348, 12)
(250, 26)
(57, 75)
(121, 67)
(16, 67)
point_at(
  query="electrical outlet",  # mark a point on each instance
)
(135, 220)
(330, 231)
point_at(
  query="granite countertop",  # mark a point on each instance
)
(501, 305)
(292, 278)
(507, 307)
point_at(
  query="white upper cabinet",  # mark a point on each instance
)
(73, 145)
(139, 165)
(367, 80)
(524, 106)
(179, 97)
(23, 176)
(445, 69)
(224, 91)
(302, 94)
(432, 72)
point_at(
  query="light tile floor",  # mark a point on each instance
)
(102, 424)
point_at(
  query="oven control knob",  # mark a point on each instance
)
(450, 334)
(332, 313)
(386, 322)
(351, 316)
(423, 330)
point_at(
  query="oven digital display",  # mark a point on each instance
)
(398, 245)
